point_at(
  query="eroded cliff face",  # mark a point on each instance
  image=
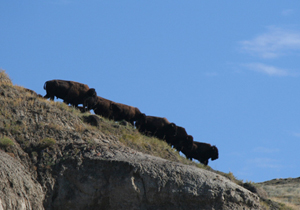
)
(139, 181)
(18, 189)
(59, 162)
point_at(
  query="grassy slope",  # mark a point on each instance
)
(284, 190)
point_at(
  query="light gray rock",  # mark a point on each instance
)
(17, 188)
(141, 181)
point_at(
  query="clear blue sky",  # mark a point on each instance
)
(226, 71)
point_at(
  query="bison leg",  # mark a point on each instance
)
(132, 122)
(66, 102)
(205, 162)
(49, 96)
(188, 157)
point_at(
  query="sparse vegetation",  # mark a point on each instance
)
(231, 177)
(47, 142)
(6, 142)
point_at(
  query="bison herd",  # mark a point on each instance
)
(75, 93)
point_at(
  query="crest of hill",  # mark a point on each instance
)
(59, 147)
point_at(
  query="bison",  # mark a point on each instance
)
(156, 126)
(201, 152)
(127, 113)
(180, 139)
(70, 92)
(101, 106)
(113, 110)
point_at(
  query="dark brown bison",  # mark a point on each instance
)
(127, 113)
(201, 152)
(70, 92)
(180, 139)
(101, 106)
(156, 126)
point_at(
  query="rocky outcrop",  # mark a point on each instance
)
(59, 162)
(121, 179)
(139, 181)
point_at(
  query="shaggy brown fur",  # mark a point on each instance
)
(71, 92)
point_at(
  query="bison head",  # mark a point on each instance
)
(141, 117)
(171, 129)
(91, 92)
(214, 153)
(90, 102)
(189, 141)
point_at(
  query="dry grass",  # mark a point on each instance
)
(4, 78)
(130, 137)
(286, 205)
(287, 194)
(286, 191)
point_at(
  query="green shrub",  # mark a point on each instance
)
(47, 142)
(6, 142)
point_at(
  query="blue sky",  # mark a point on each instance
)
(226, 71)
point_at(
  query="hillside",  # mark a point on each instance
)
(54, 157)
(283, 190)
